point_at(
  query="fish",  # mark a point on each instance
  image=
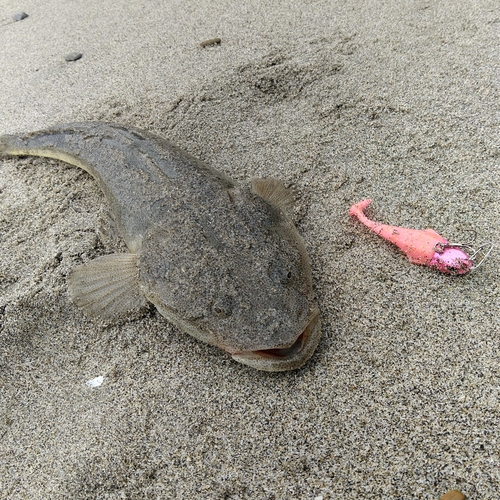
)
(424, 247)
(221, 261)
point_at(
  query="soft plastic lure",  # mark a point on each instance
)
(423, 246)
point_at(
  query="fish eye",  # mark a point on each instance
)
(281, 274)
(223, 307)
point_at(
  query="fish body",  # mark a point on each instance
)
(422, 246)
(222, 262)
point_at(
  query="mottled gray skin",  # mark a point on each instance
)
(220, 262)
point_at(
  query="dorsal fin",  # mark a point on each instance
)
(273, 191)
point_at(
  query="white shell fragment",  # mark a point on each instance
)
(95, 382)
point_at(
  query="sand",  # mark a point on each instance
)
(342, 100)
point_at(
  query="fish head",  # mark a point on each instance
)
(451, 260)
(239, 280)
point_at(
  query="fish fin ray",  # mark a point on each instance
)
(273, 191)
(107, 286)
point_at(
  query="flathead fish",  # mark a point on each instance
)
(222, 262)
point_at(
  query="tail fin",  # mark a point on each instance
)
(357, 210)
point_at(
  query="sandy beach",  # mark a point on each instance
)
(341, 100)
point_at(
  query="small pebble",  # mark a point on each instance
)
(212, 41)
(73, 56)
(19, 15)
(453, 495)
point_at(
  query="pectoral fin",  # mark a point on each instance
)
(274, 193)
(107, 286)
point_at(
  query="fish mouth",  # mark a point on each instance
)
(285, 352)
(288, 357)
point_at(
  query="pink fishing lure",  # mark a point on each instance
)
(422, 246)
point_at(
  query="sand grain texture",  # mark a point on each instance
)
(396, 101)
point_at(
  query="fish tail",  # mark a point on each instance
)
(6, 144)
(43, 143)
(16, 145)
(357, 210)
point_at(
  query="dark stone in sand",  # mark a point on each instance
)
(19, 15)
(73, 56)
(212, 41)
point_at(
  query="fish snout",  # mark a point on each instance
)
(288, 357)
(451, 260)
